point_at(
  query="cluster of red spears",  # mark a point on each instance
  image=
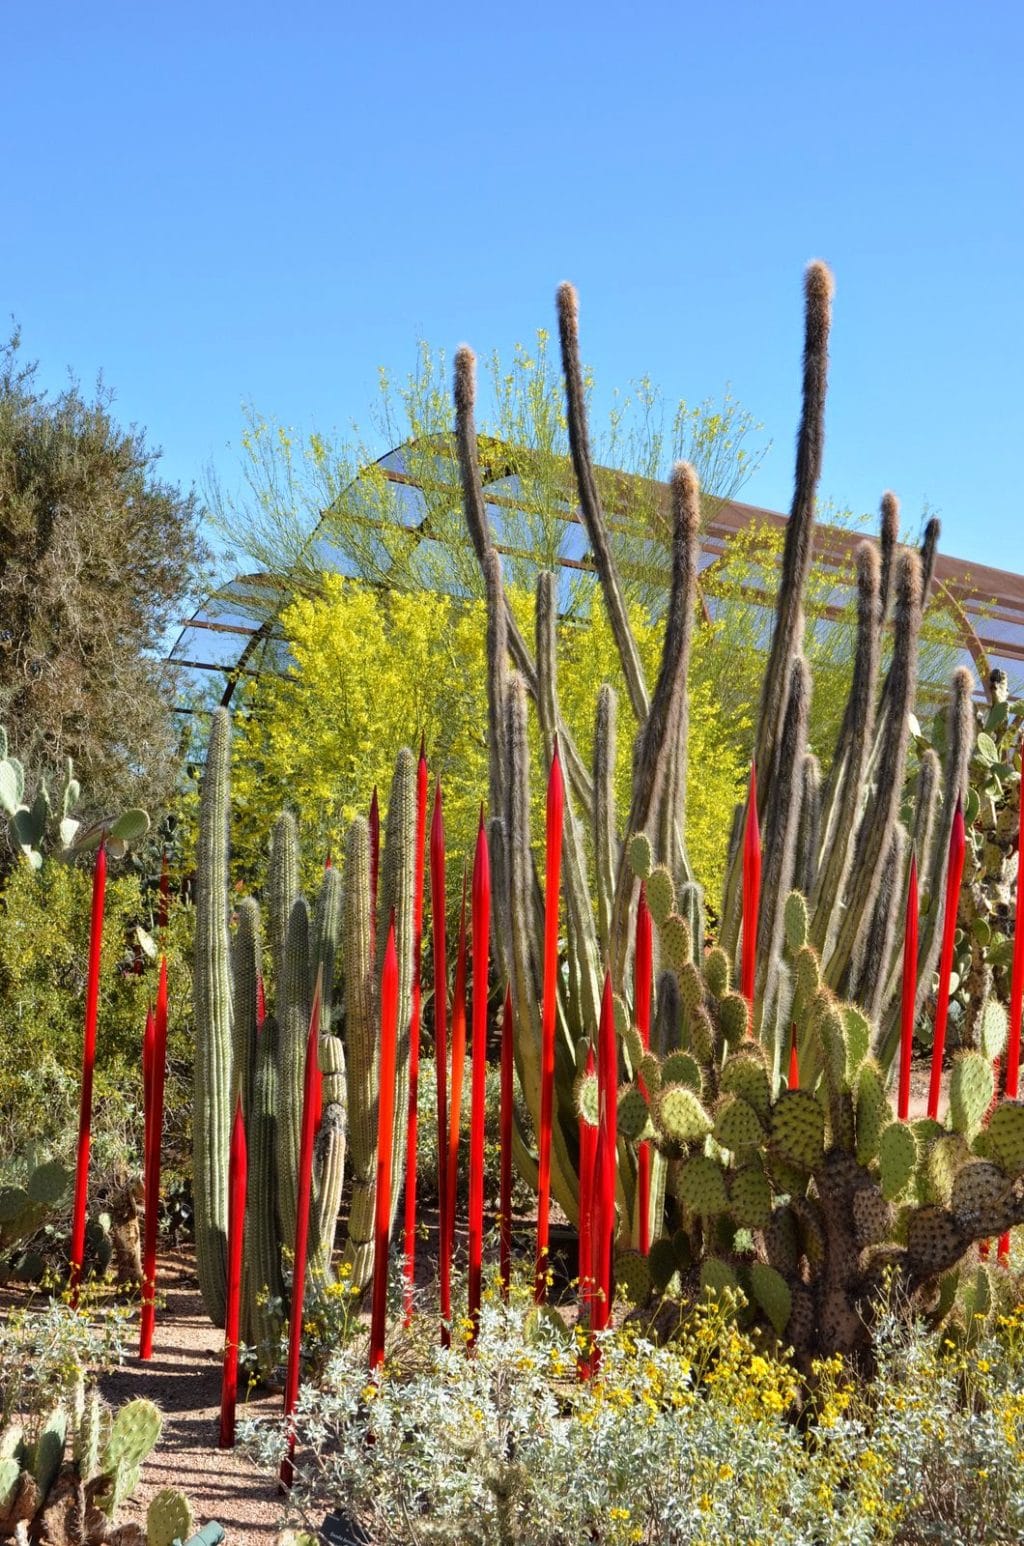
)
(597, 1145)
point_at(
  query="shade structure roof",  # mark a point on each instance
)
(236, 633)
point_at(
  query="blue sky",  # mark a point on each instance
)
(223, 202)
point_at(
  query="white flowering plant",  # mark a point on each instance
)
(710, 1440)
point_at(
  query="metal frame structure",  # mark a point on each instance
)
(236, 633)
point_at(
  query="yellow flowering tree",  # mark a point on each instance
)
(372, 670)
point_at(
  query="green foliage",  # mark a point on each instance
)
(301, 484)
(98, 558)
(44, 949)
(691, 1443)
(373, 670)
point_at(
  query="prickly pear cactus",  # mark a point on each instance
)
(806, 1198)
(168, 1518)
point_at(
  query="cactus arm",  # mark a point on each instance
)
(214, 1024)
(397, 897)
(796, 557)
(293, 1025)
(361, 1047)
(329, 1162)
(889, 536)
(606, 846)
(246, 962)
(870, 971)
(926, 803)
(326, 938)
(284, 887)
(809, 835)
(685, 506)
(473, 504)
(497, 674)
(264, 1285)
(590, 502)
(582, 935)
(663, 735)
(523, 953)
(851, 753)
(781, 825)
(877, 823)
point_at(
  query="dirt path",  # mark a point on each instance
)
(183, 1378)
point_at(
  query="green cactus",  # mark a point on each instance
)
(971, 1089)
(293, 1009)
(772, 1293)
(214, 1017)
(87, 1439)
(267, 1063)
(168, 1518)
(133, 1434)
(39, 827)
(264, 1299)
(833, 1190)
(48, 1450)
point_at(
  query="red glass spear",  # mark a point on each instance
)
(481, 915)
(237, 1178)
(454, 1118)
(152, 1165)
(751, 898)
(549, 1005)
(438, 903)
(385, 1133)
(642, 980)
(92, 1003)
(148, 1042)
(909, 998)
(588, 1157)
(412, 1132)
(793, 1082)
(606, 1167)
(954, 873)
(505, 1183)
(307, 1133)
(1016, 986)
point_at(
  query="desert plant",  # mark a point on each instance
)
(75, 1499)
(810, 1198)
(252, 1044)
(984, 942)
(844, 829)
(689, 1443)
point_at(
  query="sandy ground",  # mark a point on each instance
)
(183, 1378)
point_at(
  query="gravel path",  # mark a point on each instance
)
(183, 1378)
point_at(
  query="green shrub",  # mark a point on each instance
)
(44, 950)
(690, 1444)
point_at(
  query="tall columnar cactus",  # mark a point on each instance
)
(265, 1065)
(214, 1013)
(838, 838)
